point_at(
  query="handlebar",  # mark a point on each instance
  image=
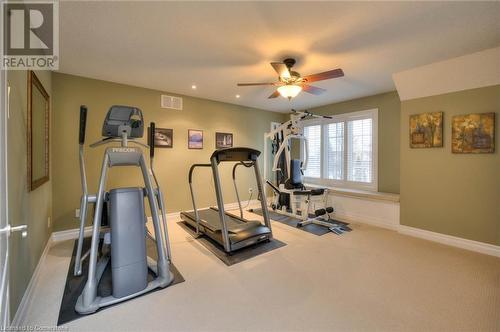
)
(83, 124)
(192, 169)
(240, 163)
(152, 140)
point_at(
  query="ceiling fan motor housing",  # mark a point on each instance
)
(289, 62)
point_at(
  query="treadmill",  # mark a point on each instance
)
(230, 231)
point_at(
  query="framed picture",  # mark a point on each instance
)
(38, 132)
(426, 130)
(195, 139)
(223, 140)
(473, 133)
(164, 138)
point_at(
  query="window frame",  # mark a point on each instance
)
(344, 183)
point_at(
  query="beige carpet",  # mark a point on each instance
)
(368, 280)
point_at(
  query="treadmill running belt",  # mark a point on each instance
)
(210, 217)
(238, 255)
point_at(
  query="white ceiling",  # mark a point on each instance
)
(171, 45)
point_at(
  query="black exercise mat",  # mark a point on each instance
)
(75, 285)
(292, 221)
(237, 256)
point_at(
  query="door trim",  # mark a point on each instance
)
(4, 204)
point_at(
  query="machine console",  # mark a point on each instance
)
(123, 119)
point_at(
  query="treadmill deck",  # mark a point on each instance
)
(241, 233)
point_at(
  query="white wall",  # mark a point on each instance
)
(471, 71)
(377, 212)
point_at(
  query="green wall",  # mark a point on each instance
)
(172, 165)
(389, 107)
(455, 194)
(30, 208)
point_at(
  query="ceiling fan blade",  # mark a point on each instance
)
(324, 75)
(274, 95)
(313, 89)
(252, 84)
(281, 69)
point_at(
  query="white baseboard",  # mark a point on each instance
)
(20, 315)
(365, 219)
(391, 222)
(481, 247)
(72, 234)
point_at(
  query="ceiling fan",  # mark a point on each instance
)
(291, 83)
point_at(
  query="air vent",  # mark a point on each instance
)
(171, 102)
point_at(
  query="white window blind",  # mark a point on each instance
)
(343, 150)
(335, 151)
(359, 157)
(313, 136)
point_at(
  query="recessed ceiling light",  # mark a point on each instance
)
(237, 96)
(193, 87)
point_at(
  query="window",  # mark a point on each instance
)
(313, 134)
(343, 150)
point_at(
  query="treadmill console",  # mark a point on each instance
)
(236, 154)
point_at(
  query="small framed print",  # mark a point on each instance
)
(164, 138)
(195, 139)
(223, 140)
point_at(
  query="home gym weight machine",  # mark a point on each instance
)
(124, 239)
(290, 196)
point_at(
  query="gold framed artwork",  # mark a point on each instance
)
(426, 130)
(38, 132)
(473, 133)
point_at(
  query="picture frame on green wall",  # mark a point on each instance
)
(426, 130)
(223, 140)
(38, 124)
(195, 139)
(164, 137)
(473, 133)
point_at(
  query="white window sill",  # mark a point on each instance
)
(374, 195)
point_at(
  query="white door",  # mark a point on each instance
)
(5, 229)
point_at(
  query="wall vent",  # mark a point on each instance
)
(171, 102)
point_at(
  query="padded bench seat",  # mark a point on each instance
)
(312, 192)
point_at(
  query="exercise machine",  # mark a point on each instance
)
(290, 195)
(230, 231)
(119, 224)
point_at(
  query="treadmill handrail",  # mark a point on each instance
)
(250, 164)
(190, 179)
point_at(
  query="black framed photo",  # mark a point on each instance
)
(195, 139)
(223, 140)
(164, 138)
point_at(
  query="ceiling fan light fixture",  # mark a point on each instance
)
(289, 91)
